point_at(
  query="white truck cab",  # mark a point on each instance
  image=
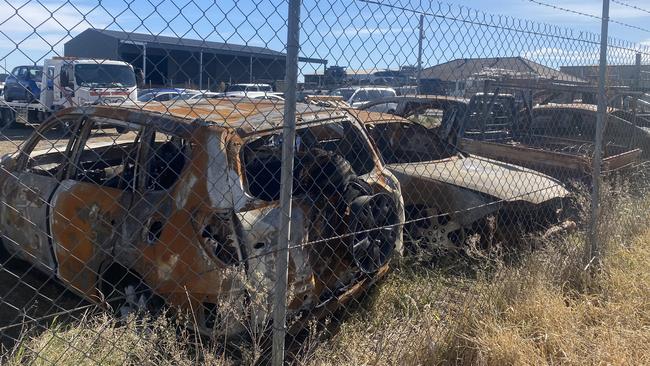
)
(69, 82)
(72, 82)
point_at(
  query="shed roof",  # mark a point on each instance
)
(516, 67)
(161, 41)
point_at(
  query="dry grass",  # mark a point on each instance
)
(101, 340)
(535, 318)
(541, 309)
(544, 309)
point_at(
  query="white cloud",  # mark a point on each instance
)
(560, 56)
(367, 31)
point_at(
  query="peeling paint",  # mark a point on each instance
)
(184, 191)
(165, 269)
(205, 209)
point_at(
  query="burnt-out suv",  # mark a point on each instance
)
(182, 208)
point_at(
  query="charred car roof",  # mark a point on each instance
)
(246, 116)
(431, 101)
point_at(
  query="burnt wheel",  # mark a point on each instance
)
(128, 295)
(429, 229)
(374, 224)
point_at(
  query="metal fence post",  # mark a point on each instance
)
(420, 40)
(286, 182)
(593, 247)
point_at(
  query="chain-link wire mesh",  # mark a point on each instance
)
(155, 179)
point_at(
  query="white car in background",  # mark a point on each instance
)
(163, 95)
(202, 95)
(357, 96)
(273, 97)
(249, 90)
(2, 82)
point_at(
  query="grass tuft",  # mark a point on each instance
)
(541, 307)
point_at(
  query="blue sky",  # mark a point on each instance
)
(350, 33)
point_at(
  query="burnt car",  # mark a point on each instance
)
(555, 139)
(182, 209)
(450, 195)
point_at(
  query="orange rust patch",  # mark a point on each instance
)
(83, 218)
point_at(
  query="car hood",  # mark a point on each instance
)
(494, 178)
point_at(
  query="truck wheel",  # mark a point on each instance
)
(6, 95)
(6, 117)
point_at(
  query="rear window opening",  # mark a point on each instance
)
(262, 156)
(166, 161)
(408, 143)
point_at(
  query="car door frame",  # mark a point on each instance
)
(33, 193)
(95, 215)
(12, 80)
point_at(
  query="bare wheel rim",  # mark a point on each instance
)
(435, 231)
(135, 301)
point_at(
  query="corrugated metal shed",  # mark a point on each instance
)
(465, 68)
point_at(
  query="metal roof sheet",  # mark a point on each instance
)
(196, 44)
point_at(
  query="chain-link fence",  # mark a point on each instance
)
(304, 183)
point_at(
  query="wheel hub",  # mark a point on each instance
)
(435, 231)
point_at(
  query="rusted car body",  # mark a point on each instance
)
(558, 139)
(449, 194)
(186, 212)
(491, 127)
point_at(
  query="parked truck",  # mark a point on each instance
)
(68, 82)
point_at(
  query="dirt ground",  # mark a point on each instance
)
(30, 300)
(13, 137)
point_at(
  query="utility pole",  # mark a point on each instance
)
(592, 255)
(420, 41)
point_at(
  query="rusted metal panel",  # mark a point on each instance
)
(24, 216)
(332, 101)
(620, 161)
(85, 221)
(206, 239)
(549, 162)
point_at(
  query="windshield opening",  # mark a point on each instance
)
(262, 156)
(345, 93)
(185, 96)
(35, 73)
(408, 143)
(380, 93)
(104, 76)
(147, 97)
(237, 88)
